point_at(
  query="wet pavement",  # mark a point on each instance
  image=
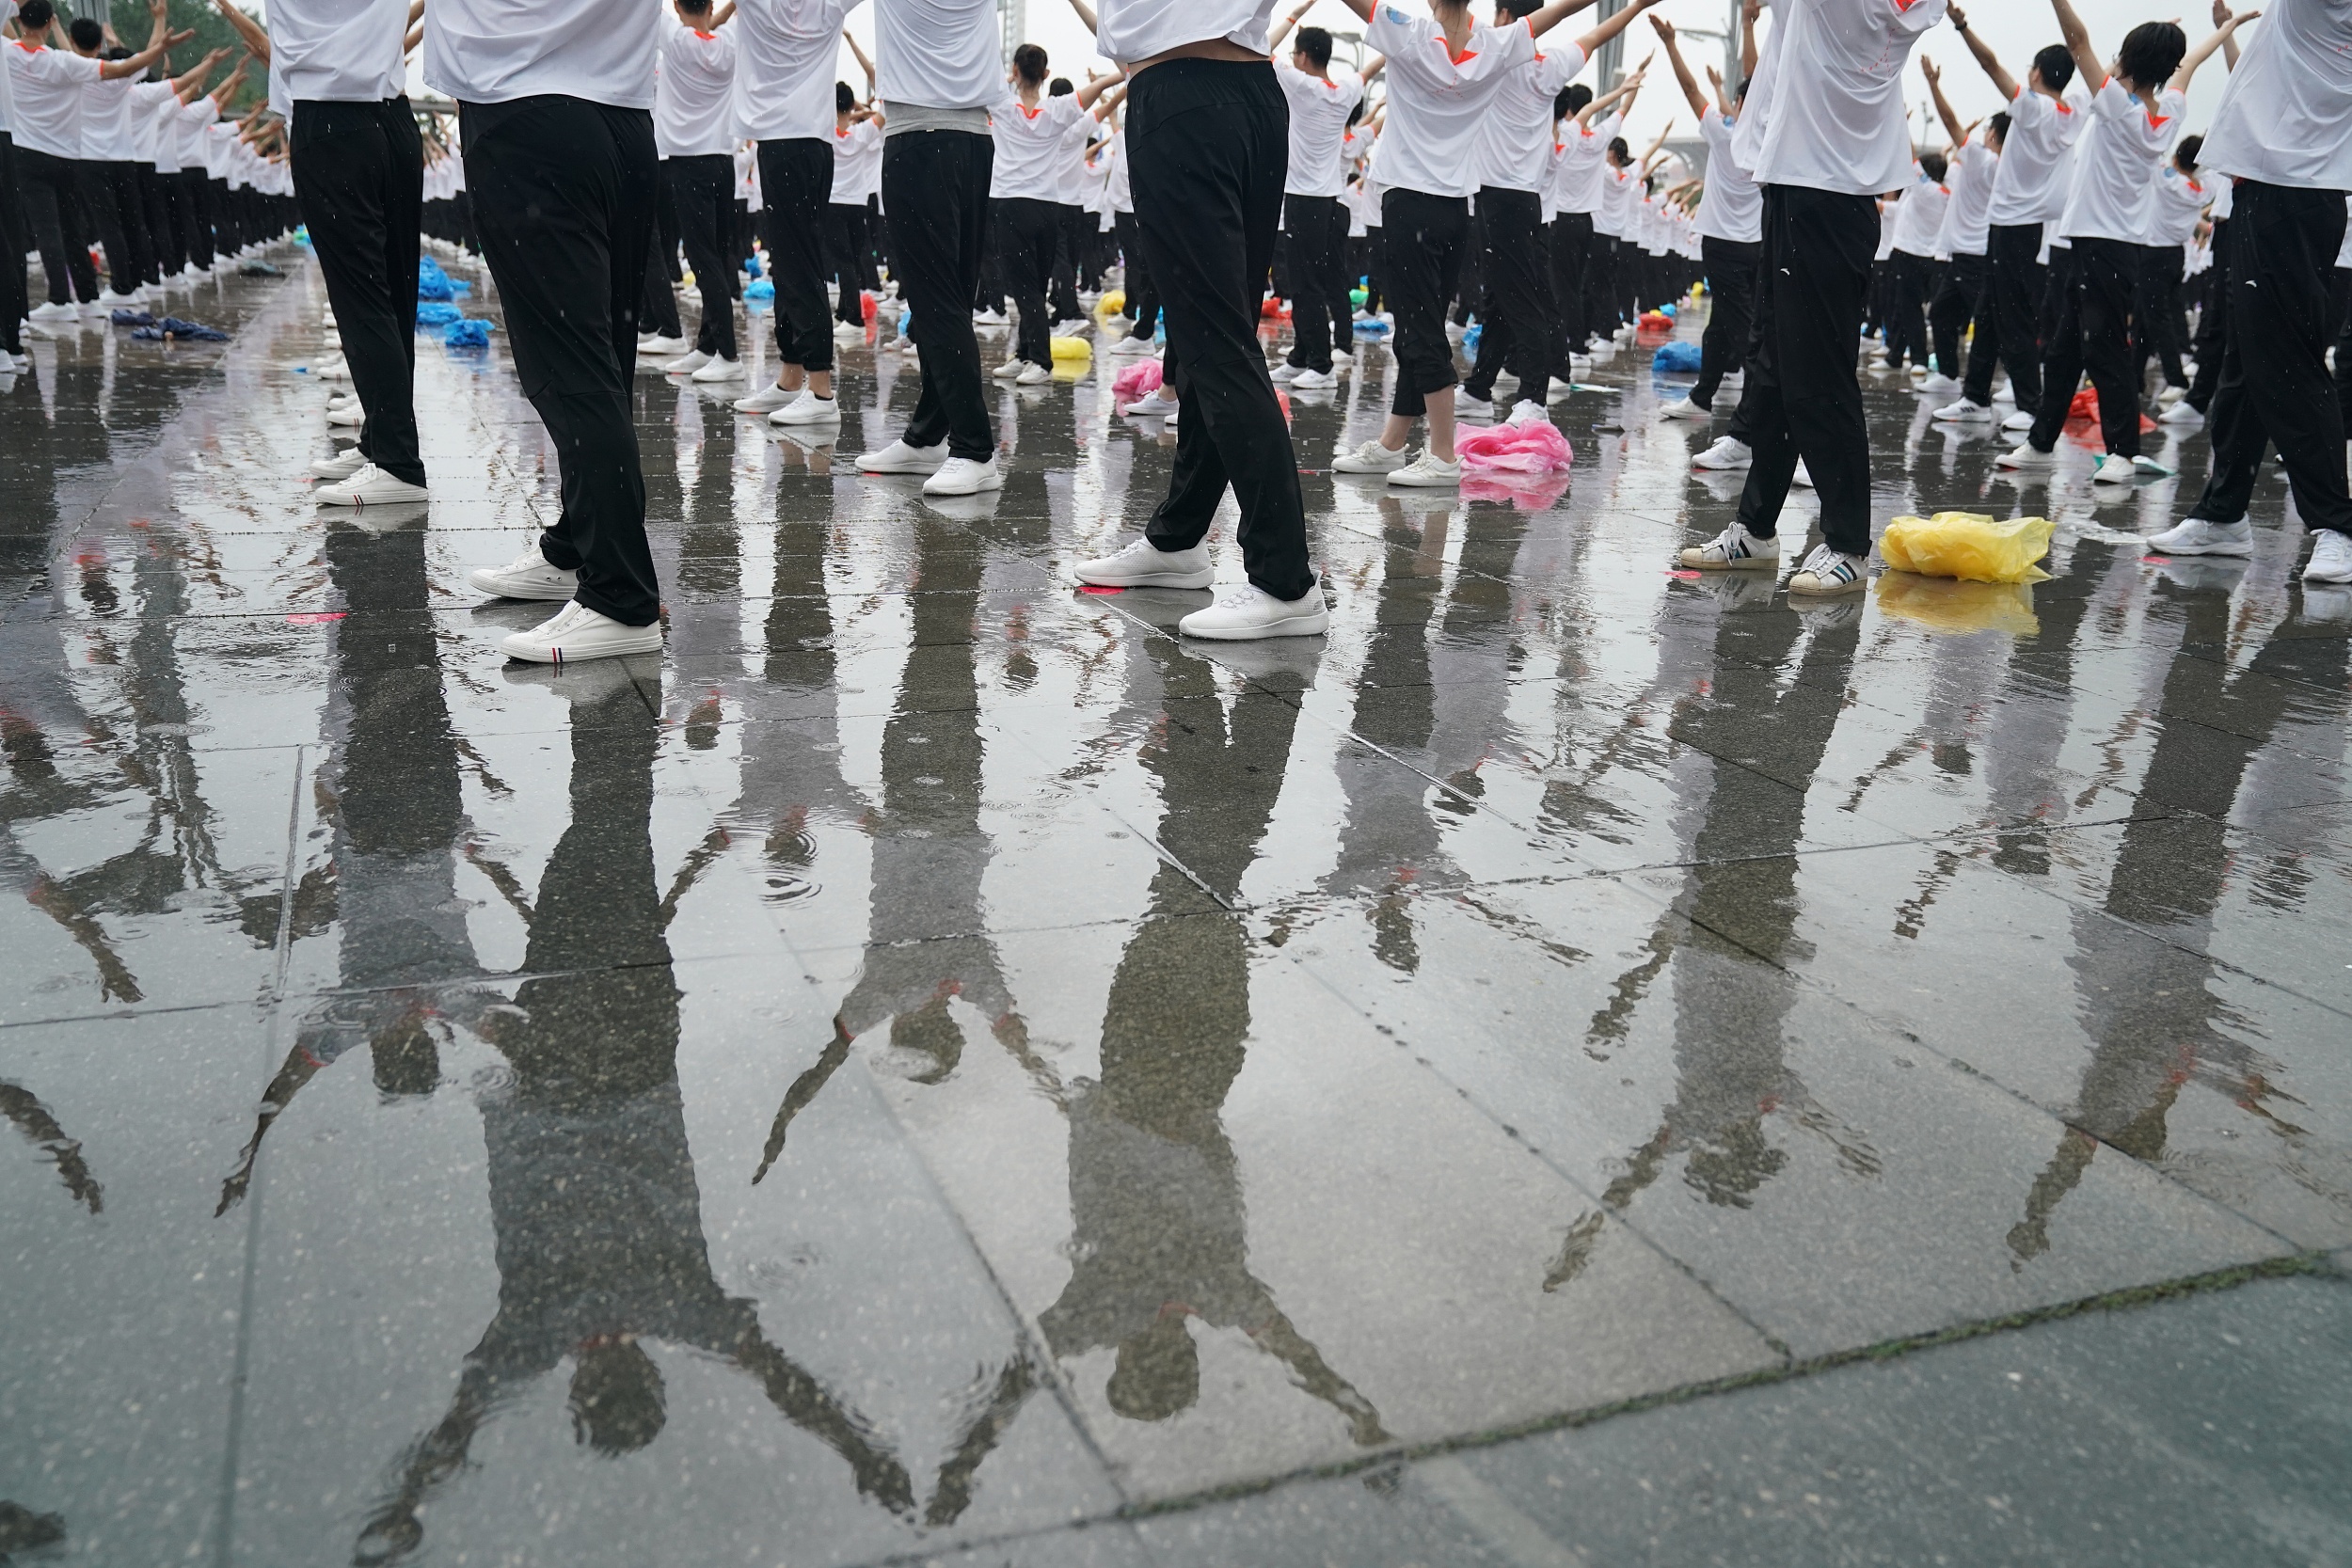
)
(1584, 1064)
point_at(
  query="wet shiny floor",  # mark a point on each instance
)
(934, 1067)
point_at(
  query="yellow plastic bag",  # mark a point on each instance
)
(1112, 302)
(1968, 545)
(1068, 351)
(1943, 606)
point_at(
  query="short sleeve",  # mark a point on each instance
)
(1391, 31)
(2112, 102)
(1913, 17)
(1560, 66)
(1064, 110)
(1511, 46)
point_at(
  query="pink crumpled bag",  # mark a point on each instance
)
(1534, 448)
(1136, 379)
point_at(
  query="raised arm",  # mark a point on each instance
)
(1723, 97)
(1086, 13)
(2229, 45)
(1750, 12)
(190, 82)
(1373, 68)
(160, 40)
(231, 83)
(864, 63)
(2088, 65)
(1682, 70)
(1624, 91)
(1657, 147)
(1098, 87)
(2003, 82)
(1290, 19)
(1952, 128)
(2203, 51)
(1543, 21)
(256, 38)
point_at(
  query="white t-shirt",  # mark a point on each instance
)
(2031, 186)
(194, 120)
(785, 68)
(1890, 213)
(2285, 119)
(2173, 209)
(850, 151)
(108, 133)
(48, 85)
(2117, 162)
(1732, 205)
(1319, 111)
(1620, 193)
(1121, 195)
(1919, 215)
(1515, 134)
(1970, 180)
(1832, 111)
(1029, 146)
(495, 51)
(336, 51)
(1076, 179)
(694, 98)
(938, 54)
(1131, 30)
(160, 138)
(147, 98)
(1581, 164)
(1438, 98)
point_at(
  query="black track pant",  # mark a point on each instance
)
(1959, 301)
(1521, 322)
(2158, 327)
(52, 210)
(796, 187)
(358, 172)
(936, 191)
(2212, 322)
(166, 248)
(1069, 233)
(14, 243)
(2018, 283)
(1802, 393)
(563, 198)
(845, 254)
(2274, 377)
(1143, 300)
(2093, 332)
(1028, 232)
(1427, 236)
(1907, 312)
(1208, 142)
(1317, 230)
(110, 193)
(702, 191)
(192, 199)
(1601, 308)
(1570, 245)
(1731, 281)
(657, 304)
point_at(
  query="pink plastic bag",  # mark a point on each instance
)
(1520, 492)
(1136, 379)
(1534, 448)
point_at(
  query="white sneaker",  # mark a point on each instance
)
(768, 399)
(1142, 566)
(2019, 421)
(1966, 411)
(1033, 375)
(1527, 411)
(2112, 468)
(1150, 406)
(1342, 356)
(2023, 456)
(1939, 383)
(1468, 403)
(1070, 327)
(845, 334)
(50, 311)
(720, 369)
(1250, 613)
(1803, 477)
(1132, 345)
(120, 299)
(687, 365)
(2170, 395)
(1009, 370)
(988, 318)
(348, 415)
(332, 370)
(2005, 393)
(1727, 452)
(961, 476)
(660, 347)
(2148, 467)
(899, 458)
(526, 577)
(2197, 536)
(1735, 549)
(1428, 472)
(1683, 408)
(2331, 557)
(808, 410)
(577, 633)
(2181, 412)
(1313, 381)
(341, 466)
(1827, 572)
(1286, 373)
(368, 486)
(1371, 458)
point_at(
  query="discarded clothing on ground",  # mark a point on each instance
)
(172, 329)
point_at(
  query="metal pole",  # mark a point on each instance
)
(1612, 53)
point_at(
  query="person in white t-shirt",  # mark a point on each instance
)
(111, 110)
(1444, 71)
(2174, 213)
(857, 146)
(1730, 224)
(1314, 222)
(1918, 218)
(1583, 247)
(2282, 135)
(1825, 131)
(1964, 297)
(695, 132)
(557, 124)
(2135, 116)
(1032, 129)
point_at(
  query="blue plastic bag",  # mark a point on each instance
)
(435, 313)
(759, 288)
(1470, 337)
(432, 282)
(1676, 356)
(467, 333)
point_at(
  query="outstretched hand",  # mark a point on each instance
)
(1665, 28)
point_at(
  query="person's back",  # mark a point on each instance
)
(1834, 118)
(600, 51)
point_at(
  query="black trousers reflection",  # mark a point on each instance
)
(564, 195)
(936, 191)
(359, 170)
(1208, 142)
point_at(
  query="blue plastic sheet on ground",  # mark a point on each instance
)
(1676, 356)
(432, 282)
(134, 318)
(759, 288)
(172, 327)
(433, 312)
(467, 334)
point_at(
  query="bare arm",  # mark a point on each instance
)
(864, 63)
(1722, 95)
(1952, 127)
(190, 82)
(256, 38)
(1086, 13)
(1750, 11)
(1361, 8)
(160, 41)
(1379, 64)
(1097, 87)
(1282, 28)
(1558, 11)
(2087, 62)
(2002, 81)
(1624, 91)
(227, 89)
(1682, 70)
(2229, 45)
(2203, 51)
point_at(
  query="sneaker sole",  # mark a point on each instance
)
(534, 596)
(2232, 551)
(1201, 578)
(1817, 591)
(1692, 562)
(1294, 626)
(559, 656)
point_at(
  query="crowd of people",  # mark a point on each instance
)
(599, 155)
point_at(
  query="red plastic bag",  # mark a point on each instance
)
(866, 306)
(2085, 406)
